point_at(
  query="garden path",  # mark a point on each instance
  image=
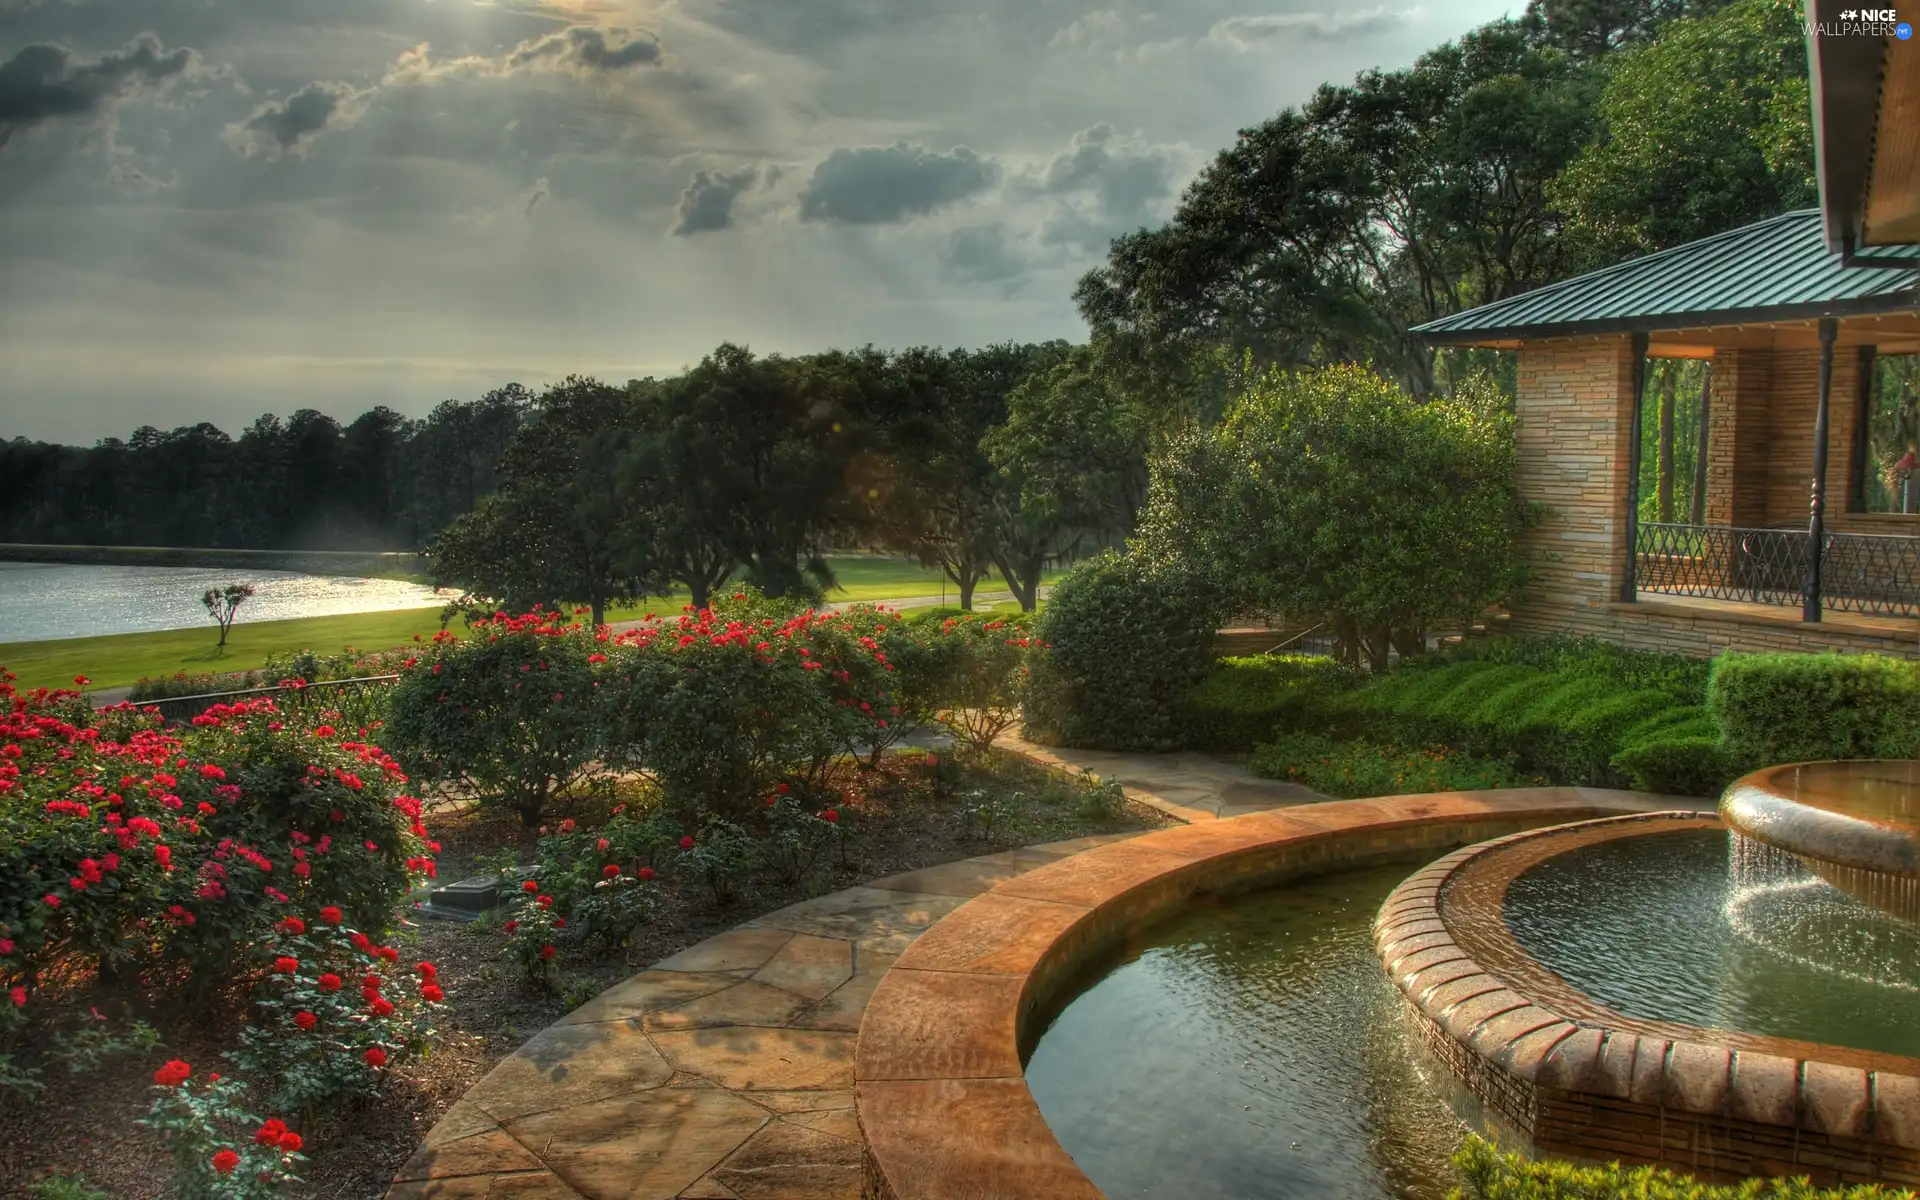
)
(1186, 784)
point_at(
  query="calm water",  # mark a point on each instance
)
(1247, 1051)
(1643, 925)
(39, 601)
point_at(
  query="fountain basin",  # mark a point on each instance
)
(1581, 1078)
(1856, 824)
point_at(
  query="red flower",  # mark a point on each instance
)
(510, 926)
(602, 845)
(781, 788)
(646, 873)
(546, 952)
(388, 953)
(292, 925)
(302, 870)
(19, 996)
(380, 1006)
(686, 843)
(6, 946)
(611, 871)
(330, 915)
(376, 1057)
(52, 900)
(432, 994)
(286, 965)
(323, 731)
(173, 1074)
(290, 1142)
(529, 886)
(225, 1161)
(305, 1020)
(210, 771)
(329, 982)
(426, 970)
(82, 680)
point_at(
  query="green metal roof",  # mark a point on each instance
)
(1774, 270)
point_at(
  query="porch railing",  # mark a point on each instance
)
(1872, 574)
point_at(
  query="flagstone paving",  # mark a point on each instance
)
(725, 1072)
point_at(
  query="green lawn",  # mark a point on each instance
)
(116, 660)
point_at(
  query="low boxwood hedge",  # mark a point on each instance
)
(1487, 1174)
(1245, 701)
(1782, 708)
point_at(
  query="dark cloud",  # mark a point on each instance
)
(707, 204)
(287, 126)
(44, 81)
(878, 185)
(1306, 26)
(584, 48)
(1109, 184)
(981, 254)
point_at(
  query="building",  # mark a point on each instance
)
(1805, 332)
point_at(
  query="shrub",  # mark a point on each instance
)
(1120, 641)
(1365, 768)
(1782, 708)
(1695, 765)
(179, 850)
(1568, 726)
(1487, 1174)
(221, 1151)
(981, 674)
(1245, 701)
(331, 998)
(1682, 678)
(722, 857)
(512, 713)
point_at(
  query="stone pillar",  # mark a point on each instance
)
(1572, 411)
(1737, 438)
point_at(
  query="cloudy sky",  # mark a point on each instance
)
(211, 209)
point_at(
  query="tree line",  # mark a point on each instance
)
(999, 460)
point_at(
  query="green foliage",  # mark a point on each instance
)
(1245, 701)
(1327, 493)
(64, 1187)
(1684, 765)
(721, 856)
(1567, 723)
(220, 1149)
(1706, 129)
(1783, 708)
(1488, 1174)
(333, 1014)
(1120, 640)
(982, 672)
(1361, 767)
(514, 712)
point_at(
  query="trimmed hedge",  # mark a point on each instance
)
(1487, 1174)
(1782, 708)
(1363, 768)
(1246, 701)
(1119, 643)
(1567, 724)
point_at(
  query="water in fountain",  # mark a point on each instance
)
(1777, 904)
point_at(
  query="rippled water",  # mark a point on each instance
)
(39, 601)
(1249, 1050)
(1644, 925)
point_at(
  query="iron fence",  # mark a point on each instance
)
(358, 701)
(1874, 574)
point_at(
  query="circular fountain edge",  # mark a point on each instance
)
(1580, 1079)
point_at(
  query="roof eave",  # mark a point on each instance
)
(1772, 315)
(1844, 77)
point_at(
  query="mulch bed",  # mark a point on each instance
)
(84, 1125)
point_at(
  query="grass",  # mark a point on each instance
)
(117, 660)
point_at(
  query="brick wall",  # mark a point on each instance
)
(1572, 417)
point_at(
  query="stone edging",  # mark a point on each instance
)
(1578, 1078)
(942, 1102)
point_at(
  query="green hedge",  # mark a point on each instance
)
(1486, 1174)
(1360, 767)
(1781, 708)
(1568, 724)
(1120, 642)
(1245, 701)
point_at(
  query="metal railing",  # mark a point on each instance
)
(1873, 574)
(358, 700)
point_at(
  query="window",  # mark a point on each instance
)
(1887, 482)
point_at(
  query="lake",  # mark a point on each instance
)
(41, 601)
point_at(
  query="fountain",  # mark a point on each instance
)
(1854, 824)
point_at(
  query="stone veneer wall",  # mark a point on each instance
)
(1573, 420)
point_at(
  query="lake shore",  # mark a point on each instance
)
(367, 564)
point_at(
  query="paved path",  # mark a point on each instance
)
(722, 1073)
(1188, 785)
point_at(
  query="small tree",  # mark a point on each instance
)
(223, 603)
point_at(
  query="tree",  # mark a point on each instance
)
(223, 603)
(1333, 495)
(553, 532)
(1705, 129)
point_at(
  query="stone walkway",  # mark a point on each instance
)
(722, 1073)
(1188, 785)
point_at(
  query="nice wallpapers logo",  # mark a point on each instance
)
(1863, 22)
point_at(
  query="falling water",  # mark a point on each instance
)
(1776, 903)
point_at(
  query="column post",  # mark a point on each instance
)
(1817, 493)
(1629, 589)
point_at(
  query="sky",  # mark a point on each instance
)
(211, 209)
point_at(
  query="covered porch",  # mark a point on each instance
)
(1725, 438)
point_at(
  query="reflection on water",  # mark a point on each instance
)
(1250, 1050)
(1652, 926)
(39, 601)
